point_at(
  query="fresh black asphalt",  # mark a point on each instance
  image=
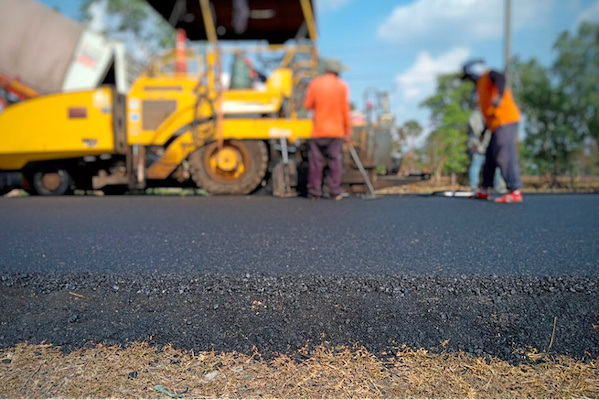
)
(546, 235)
(273, 275)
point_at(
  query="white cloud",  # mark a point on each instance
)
(418, 81)
(434, 22)
(591, 14)
(331, 5)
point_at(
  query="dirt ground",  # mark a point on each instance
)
(306, 337)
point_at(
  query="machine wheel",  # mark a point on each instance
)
(52, 181)
(236, 168)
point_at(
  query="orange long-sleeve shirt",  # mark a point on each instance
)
(506, 112)
(328, 96)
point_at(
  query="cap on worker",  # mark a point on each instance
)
(473, 69)
(333, 65)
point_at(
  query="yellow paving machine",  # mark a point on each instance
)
(181, 123)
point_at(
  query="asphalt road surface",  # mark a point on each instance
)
(546, 235)
(274, 275)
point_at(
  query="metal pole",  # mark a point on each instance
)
(309, 18)
(208, 21)
(358, 162)
(285, 154)
(312, 31)
(508, 39)
(211, 35)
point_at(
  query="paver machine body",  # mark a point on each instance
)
(178, 124)
(235, 137)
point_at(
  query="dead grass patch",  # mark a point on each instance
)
(142, 371)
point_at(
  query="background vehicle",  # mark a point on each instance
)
(42, 51)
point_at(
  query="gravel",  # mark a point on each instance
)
(501, 316)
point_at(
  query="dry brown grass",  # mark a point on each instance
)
(43, 371)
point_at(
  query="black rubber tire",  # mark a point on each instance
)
(255, 159)
(65, 185)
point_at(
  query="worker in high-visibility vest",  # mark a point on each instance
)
(328, 96)
(502, 117)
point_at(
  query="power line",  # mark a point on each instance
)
(377, 74)
(387, 49)
(368, 80)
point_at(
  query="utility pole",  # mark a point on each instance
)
(508, 39)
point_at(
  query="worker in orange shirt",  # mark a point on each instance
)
(501, 117)
(328, 96)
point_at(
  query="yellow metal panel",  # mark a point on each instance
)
(57, 126)
(252, 95)
(181, 90)
(267, 128)
(239, 129)
(174, 155)
(280, 81)
(250, 102)
(182, 117)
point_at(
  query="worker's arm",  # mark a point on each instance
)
(499, 80)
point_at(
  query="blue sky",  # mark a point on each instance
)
(399, 46)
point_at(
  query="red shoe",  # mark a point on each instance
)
(480, 195)
(512, 197)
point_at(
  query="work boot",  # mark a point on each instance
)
(480, 195)
(512, 197)
(337, 198)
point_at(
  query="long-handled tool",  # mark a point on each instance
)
(354, 155)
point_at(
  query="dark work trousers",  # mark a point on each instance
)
(332, 149)
(503, 153)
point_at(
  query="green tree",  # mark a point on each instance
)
(445, 148)
(133, 22)
(409, 130)
(561, 104)
(400, 147)
(577, 67)
(433, 154)
(551, 139)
